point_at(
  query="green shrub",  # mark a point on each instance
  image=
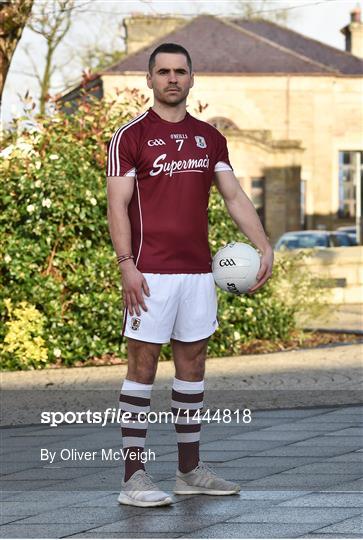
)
(58, 256)
(23, 345)
(272, 312)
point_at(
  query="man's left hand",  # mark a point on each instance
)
(265, 271)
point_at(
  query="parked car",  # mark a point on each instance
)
(313, 239)
(351, 231)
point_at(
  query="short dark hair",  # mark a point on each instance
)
(172, 48)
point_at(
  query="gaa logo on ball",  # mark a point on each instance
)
(235, 267)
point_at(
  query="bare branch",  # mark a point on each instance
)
(52, 20)
(13, 18)
(36, 73)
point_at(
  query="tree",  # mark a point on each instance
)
(13, 18)
(97, 58)
(52, 21)
(260, 9)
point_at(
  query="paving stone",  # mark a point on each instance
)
(313, 482)
(17, 508)
(336, 535)
(14, 467)
(349, 457)
(330, 467)
(51, 473)
(330, 440)
(284, 514)
(332, 424)
(16, 530)
(315, 424)
(295, 413)
(326, 500)
(350, 410)
(353, 485)
(348, 526)
(24, 485)
(212, 456)
(97, 482)
(4, 519)
(306, 451)
(243, 445)
(348, 432)
(251, 530)
(59, 497)
(160, 522)
(262, 461)
(101, 501)
(272, 435)
(248, 473)
(98, 516)
(343, 416)
(92, 534)
(204, 505)
(275, 496)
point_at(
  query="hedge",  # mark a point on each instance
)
(60, 295)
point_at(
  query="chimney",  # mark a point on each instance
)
(141, 30)
(353, 33)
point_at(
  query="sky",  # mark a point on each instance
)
(101, 25)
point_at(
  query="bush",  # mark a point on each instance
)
(58, 255)
(270, 313)
(23, 345)
(60, 283)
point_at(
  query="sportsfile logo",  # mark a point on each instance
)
(156, 142)
(127, 419)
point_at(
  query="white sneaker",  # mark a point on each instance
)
(204, 480)
(140, 490)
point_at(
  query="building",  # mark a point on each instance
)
(290, 107)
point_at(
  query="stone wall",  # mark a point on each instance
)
(324, 113)
(345, 266)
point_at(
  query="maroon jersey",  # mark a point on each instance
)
(173, 164)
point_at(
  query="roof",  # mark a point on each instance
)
(247, 46)
(342, 61)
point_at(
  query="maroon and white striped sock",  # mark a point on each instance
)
(187, 396)
(135, 399)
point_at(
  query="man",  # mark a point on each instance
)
(159, 173)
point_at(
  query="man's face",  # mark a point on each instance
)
(170, 79)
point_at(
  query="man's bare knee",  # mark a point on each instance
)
(142, 361)
(189, 359)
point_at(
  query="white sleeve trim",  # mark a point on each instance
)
(131, 172)
(222, 166)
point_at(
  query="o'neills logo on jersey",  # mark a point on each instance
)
(180, 166)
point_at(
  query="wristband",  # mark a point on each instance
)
(122, 258)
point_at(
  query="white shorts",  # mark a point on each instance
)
(180, 306)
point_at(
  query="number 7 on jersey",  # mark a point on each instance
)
(180, 141)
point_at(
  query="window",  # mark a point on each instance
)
(302, 203)
(222, 123)
(350, 171)
(258, 196)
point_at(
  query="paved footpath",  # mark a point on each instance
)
(299, 461)
(300, 470)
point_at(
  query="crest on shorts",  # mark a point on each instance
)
(200, 141)
(135, 323)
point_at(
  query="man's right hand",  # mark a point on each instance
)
(134, 285)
